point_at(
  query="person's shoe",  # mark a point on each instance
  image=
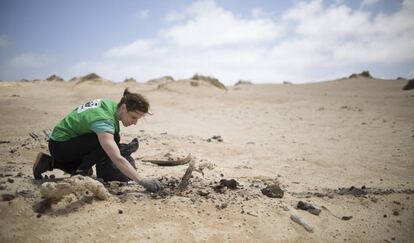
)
(88, 172)
(42, 164)
(128, 149)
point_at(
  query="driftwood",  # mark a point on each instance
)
(185, 180)
(184, 161)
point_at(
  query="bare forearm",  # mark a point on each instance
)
(126, 168)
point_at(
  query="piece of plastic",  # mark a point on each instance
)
(298, 219)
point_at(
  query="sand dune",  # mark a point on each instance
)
(344, 145)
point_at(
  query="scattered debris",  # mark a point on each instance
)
(252, 214)
(200, 168)
(223, 184)
(26, 193)
(357, 192)
(273, 191)
(8, 197)
(43, 206)
(203, 193)
(311, 208)
(217, 138)
(221, 206)
(298, 219)
(353, 191)
(342, 218)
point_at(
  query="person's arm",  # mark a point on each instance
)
(111, 149)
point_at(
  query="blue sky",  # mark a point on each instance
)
(260, 41)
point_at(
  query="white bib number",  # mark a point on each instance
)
(89, 105)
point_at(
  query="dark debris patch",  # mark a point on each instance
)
(224, 183)
(7, 196)
(273, 191)
(352, 191)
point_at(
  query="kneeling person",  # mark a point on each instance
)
(89, 135)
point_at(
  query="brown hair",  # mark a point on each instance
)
(134, 102)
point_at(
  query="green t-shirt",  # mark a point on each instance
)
(93, 116)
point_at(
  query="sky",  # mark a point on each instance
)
(259, 41)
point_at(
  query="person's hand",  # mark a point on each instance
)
(151, 185)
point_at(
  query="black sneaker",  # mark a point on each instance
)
(87, 172)
(42, 164)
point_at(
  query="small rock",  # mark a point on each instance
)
(223, 184)
(203, 193)
(273, 191)
(313, 209)
(8, 197)
(120, 211)
(395, 213)
(221, 206)
(10, 180)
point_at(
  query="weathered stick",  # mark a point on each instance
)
(186, 177)
(184, 161)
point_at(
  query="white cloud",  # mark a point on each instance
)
(4, 41)
(142, 14)
(30, 60)
(335, 21)
(211, 26)
(310, 42)
(137, 49)
(355, 36)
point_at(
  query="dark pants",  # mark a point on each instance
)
(79, 153)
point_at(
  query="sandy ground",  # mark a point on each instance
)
(345, 145)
